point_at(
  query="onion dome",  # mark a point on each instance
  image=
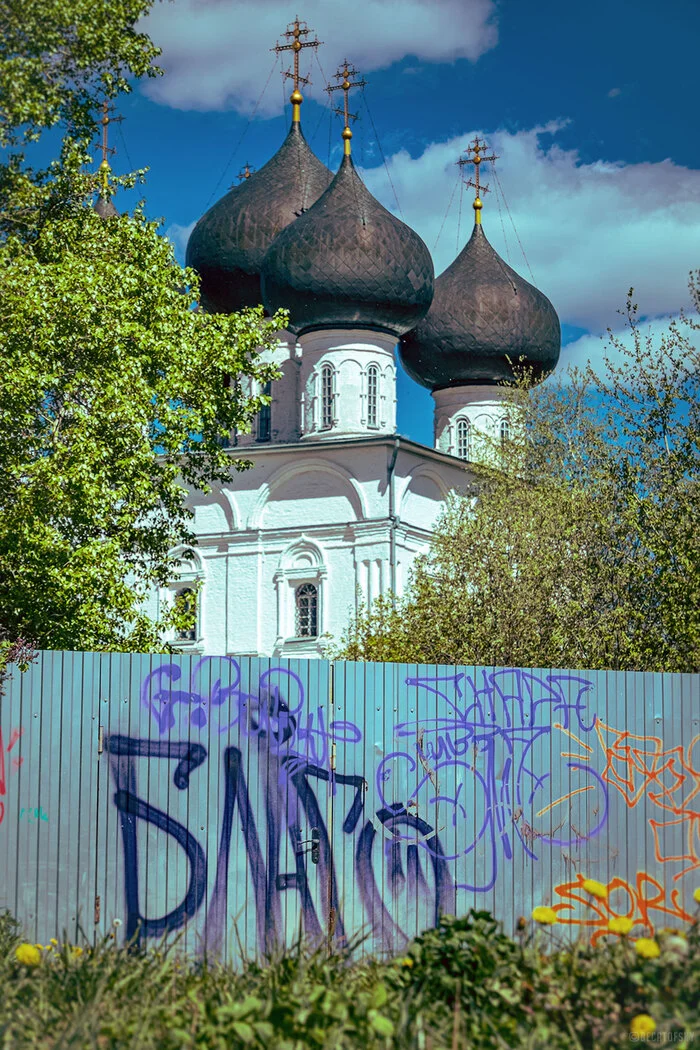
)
(105, 209)
(229, 242)
(485, 318)
(348, 263)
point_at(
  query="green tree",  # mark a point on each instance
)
(116, 396)
(59, 57)
(581, 549)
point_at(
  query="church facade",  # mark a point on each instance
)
(337, 506)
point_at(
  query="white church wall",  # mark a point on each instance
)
(355, 410)
(423, 497)
(243, 596)
(482, 407)
(314, 496)
(213, 513)
(316, 513)
(213, 612)
(284, 409)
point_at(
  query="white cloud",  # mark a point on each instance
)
(594, 349)
(179, 235)
(590, 231)
(217, 52)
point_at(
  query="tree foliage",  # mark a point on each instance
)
(116, 396)
(581, 549)
(58, 56)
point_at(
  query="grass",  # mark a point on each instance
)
(463, 984)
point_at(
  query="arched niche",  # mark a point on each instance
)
(214, 513)
(423, 498)
(313, 492)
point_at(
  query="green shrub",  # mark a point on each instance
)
(463, 984)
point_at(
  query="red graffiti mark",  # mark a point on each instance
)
(2, 765)
(16, 763)
(14, 737)
(635, 902)
(639, 767)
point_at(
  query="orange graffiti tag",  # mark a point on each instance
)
(638, 766)
(633, 902)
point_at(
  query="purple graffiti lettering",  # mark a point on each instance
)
(496, 725)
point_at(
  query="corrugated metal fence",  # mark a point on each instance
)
(239, 802)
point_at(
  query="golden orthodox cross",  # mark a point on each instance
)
(477, 148)
(105, 148)
(246, 173)
(295, 31)
(345, 85)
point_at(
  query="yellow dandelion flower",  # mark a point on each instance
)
(53, 942)
(407, 962)
(648, 948)
(28, 954)
(595, 888)
(696, 895)
(545, 916)
(76, 950)
(642, 1025)
(620, 924)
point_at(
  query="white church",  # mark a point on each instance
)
(337, 505)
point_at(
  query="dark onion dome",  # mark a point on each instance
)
(105, 209)
(228, 244)
(483, 314)
(348, 263)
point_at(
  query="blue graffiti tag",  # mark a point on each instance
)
(484, 747)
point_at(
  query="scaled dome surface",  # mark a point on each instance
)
(483, 314)
(348, 263)
(104, 207)
(228, 244)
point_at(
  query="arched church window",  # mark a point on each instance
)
(188, 600)
(464, 439)
(372, 395)
(327, 397)
(265, 416)
(306, 612)
(505, 433)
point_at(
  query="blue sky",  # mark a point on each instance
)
(591, 109)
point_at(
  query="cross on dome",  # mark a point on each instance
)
(246, 173)
(343, 75)
(476, 148)
(294, 32)
(104, 206)
(105, 149)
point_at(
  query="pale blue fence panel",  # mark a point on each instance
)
(238, 804)
(47, 842)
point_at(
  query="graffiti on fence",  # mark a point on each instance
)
(487, 741)
(275, 709)
(641, 767)
(299, 803)
(247, 802)
(645, 903)
(474, 778)
(14, 764)
(508, 765)
(33, 814)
